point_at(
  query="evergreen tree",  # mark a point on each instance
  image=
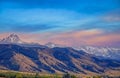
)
(37, 75)
(66, 75)
(73, 76)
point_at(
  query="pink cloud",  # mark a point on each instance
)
(75, 38)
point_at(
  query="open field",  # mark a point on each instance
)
(16, 74)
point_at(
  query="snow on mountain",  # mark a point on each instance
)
(12, 38)
(15, 39)
(105, 52)
(52, 45)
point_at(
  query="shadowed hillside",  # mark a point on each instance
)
(52, 60)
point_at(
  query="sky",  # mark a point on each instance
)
(65, 22)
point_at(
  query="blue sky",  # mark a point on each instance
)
(59, 16)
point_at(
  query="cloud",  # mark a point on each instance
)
(87, 37)
(33, 28)
(75, 38)
(113, 16)
(37, 19)
(51, 19)
(94, 37)
(72, 23)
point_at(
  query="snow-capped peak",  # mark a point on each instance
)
(12, 38)
(15, 39)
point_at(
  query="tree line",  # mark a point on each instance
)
(67, 75)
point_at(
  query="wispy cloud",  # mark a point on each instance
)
(37, 20)
(113, 16)
(72, 22)
(94, 37)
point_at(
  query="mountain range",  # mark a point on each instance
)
(102, 52)
(18, 55)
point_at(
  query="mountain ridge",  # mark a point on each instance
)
(55, 59)
(52, 60)
(104, 52)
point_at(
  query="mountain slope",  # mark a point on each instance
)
(104, 52)
(55, 60)
(51, 58)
